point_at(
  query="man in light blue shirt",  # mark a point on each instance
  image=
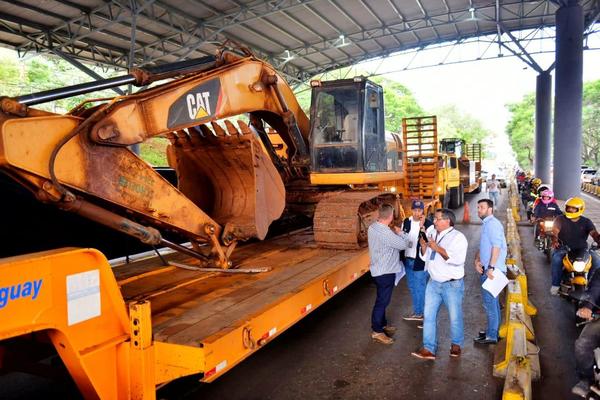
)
(491, 256)
(386, 268)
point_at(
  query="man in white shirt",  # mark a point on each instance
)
(444, 253)
(493, 189)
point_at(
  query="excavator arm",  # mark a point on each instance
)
(230, 188)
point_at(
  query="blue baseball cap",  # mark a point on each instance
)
(418, 204)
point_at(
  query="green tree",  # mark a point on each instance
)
(521, 126)
(590, 150)
(520, 129)
(453, 123)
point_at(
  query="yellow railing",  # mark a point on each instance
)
(591, 189)
(516, 358)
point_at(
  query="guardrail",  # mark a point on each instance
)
(516, 359)
(591, 189)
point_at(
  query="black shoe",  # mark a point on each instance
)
(485, 341)
(480, 335)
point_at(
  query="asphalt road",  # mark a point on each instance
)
(330, 355)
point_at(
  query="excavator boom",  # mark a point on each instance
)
(230, 189)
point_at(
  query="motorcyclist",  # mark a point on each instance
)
(570, 232)
(588, 340)
(530, 194)
(545, 208)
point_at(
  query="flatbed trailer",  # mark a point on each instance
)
(123, 331)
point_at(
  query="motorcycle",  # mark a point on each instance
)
(543, 239)
(576, 267)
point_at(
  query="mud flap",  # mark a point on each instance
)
(228, 175)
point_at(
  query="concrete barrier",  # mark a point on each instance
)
(516, 357)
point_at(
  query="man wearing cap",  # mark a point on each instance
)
(415, 267)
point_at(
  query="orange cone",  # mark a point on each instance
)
(466, 214)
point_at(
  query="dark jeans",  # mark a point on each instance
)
(385, 285)
(588, 340)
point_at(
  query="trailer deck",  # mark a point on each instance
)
(232, 315)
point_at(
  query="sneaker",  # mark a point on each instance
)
(389, 330)
(381, 338)
(480, 335)
(485, 340)
(581, 389)
(413, 317)
(423, 353)
(455, 351)
(554, 290)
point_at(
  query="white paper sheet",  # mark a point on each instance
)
(495, 286)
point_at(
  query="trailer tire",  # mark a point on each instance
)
(445, 199)
(454, 198)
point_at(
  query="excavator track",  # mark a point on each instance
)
(341, 221)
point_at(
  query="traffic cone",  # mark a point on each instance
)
(466, 214)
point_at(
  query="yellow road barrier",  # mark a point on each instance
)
(516, 357)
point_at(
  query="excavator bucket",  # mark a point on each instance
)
(227, 173)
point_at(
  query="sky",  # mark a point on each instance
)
(480, 88)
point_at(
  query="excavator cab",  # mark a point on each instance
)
(347, 127)
(452, 146)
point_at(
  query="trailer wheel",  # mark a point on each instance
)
(445, 199)
(454, 200)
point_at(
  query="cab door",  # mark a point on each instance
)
(373, 130)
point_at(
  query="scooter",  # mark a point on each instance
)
(576, 267)
(543, 239)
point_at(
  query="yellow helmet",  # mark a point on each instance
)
(536, 182)
(577, 206)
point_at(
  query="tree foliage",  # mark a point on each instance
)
(521, 127)
(454, 123)
(590, 149)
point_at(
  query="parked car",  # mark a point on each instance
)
(596, 178)
(587, 175)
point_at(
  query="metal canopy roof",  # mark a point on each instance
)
(299, 37)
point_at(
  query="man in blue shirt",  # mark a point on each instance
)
(491, 256)
(386, 268)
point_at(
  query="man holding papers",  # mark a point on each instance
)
(490, 262)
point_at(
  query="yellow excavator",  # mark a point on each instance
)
(232, 181)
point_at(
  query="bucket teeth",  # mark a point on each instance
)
(196, 136)
(244, 128)
(206, 132)
(183, 139)
(217, 128)
(231, 129)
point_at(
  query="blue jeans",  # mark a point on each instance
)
(385, 285)
(451, 294)
(491, 306)
(557, 266)
(494, 196)
(417, 281)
